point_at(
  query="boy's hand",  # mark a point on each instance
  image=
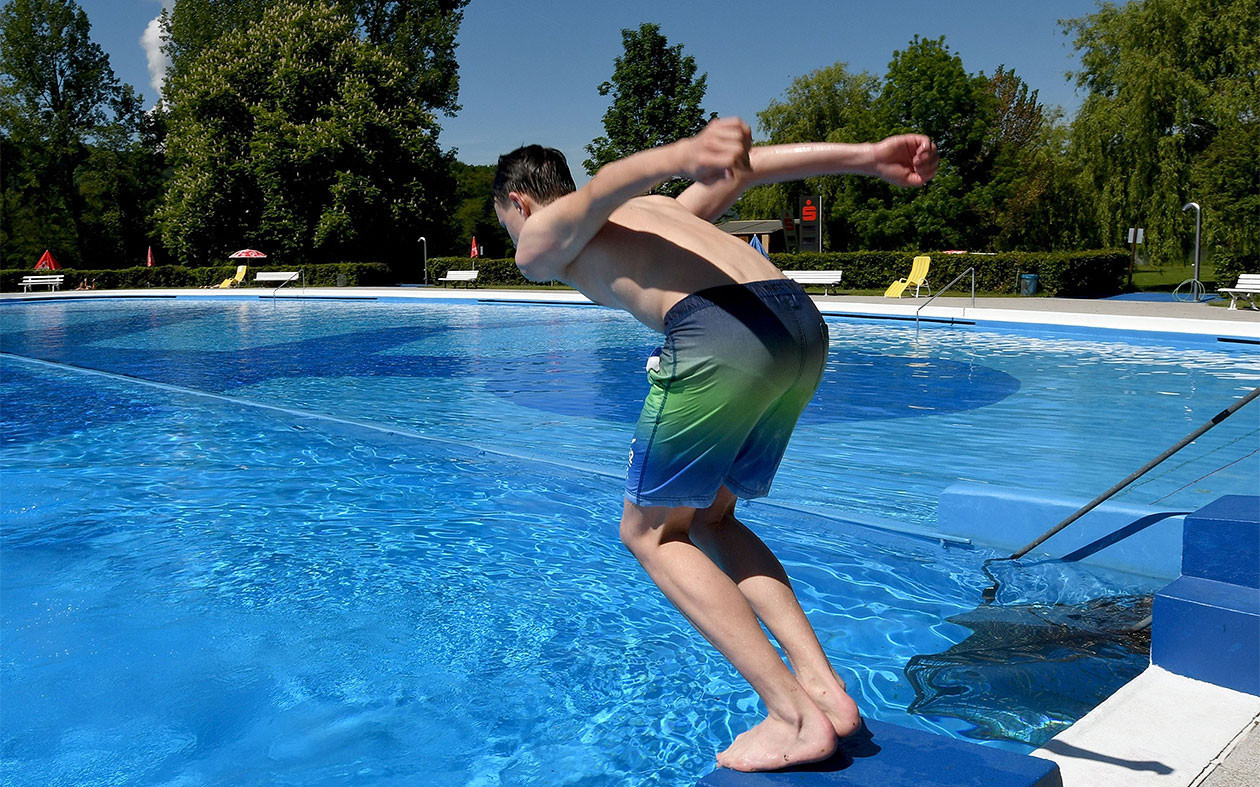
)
(718, 152)
(906, 160)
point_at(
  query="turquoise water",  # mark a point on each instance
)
(310, 543)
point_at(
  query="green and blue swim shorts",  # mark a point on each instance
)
(739, 364)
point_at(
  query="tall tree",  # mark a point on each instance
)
(1171, 110)
(655, 100)
(298, 134)
(73, 166)
(419, 33)
(928, 91)
(830, 104)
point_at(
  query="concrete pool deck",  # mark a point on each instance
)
(1199, 319)
(1160, 729)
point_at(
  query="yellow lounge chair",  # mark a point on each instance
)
(917, 279)
(232, 281)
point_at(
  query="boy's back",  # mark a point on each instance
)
(653, 252)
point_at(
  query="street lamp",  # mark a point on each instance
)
(426, 259)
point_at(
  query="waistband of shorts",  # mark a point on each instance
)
(730, 295)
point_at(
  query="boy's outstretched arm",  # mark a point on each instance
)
(904, 160)
(552, 235)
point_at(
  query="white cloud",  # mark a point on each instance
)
(151, 41)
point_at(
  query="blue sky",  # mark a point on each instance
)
(529, 71)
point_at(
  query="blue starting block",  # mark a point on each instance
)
(885, 755)
(1207, 623)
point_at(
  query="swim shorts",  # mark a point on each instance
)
(739, 364)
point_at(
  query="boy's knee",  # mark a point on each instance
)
(643, 529)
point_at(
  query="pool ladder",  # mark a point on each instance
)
(941, 291)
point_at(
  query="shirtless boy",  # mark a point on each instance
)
(744, 351)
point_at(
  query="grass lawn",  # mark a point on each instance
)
(1148, 278)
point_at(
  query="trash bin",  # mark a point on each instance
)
(1028, 284)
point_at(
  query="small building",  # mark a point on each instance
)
(770, 231)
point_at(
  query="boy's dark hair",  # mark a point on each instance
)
(539, 172)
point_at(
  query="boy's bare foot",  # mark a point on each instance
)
(775, 743)
(828, 693)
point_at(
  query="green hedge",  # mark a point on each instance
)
(1086, 273)
(1232, 264)
(490, 272)
(1096, 273)
(357, 274)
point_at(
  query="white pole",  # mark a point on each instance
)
(426, 260)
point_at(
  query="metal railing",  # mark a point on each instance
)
(941, 291)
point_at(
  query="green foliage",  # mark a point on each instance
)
(655, 100)
(990, 131)
(490, 271)
(78, 176)
(296, 135)
(1232, 264)
(474, 213)
(356, 274)
(1171, 115)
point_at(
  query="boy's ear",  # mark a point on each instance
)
(521, 203)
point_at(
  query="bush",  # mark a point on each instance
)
(357, 274)
(1232, 264)
(1094, 273)
(490, 272)
(1078, 273)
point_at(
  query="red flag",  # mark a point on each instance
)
(150, 261)
(47, 262)
(475, 251)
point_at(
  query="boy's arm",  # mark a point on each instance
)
(554, 234)
(904, 160)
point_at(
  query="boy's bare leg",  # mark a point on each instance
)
(761, 579)
(795, 730)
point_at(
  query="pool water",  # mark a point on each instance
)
(306, 543)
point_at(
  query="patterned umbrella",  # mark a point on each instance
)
(247, 254)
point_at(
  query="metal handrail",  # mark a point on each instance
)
(941, 291)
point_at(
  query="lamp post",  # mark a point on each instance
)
(426, 259)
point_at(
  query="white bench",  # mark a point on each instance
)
(826, 279)
(467, 277)
(1248, 286)
(53, 282)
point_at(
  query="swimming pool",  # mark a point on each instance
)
(338, 542)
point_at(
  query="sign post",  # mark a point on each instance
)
(1135, 237)
(811, 226)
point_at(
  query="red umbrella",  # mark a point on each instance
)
(475, 251)
(47, 262)
(247, 254)
(149, 262)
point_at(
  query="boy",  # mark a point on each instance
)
(744, 351)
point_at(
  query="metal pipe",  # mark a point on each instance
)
(1198, 226)
(990, 592)
(940, 292)
(426, 259)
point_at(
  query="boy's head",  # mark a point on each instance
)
(527, 178)
(538, 172)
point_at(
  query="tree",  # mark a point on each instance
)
(829, 104)
(419, 33)
(1170, 116)
(474, 212)
(298, 134)
(655, 100)
(76, 175)
(928, 91)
